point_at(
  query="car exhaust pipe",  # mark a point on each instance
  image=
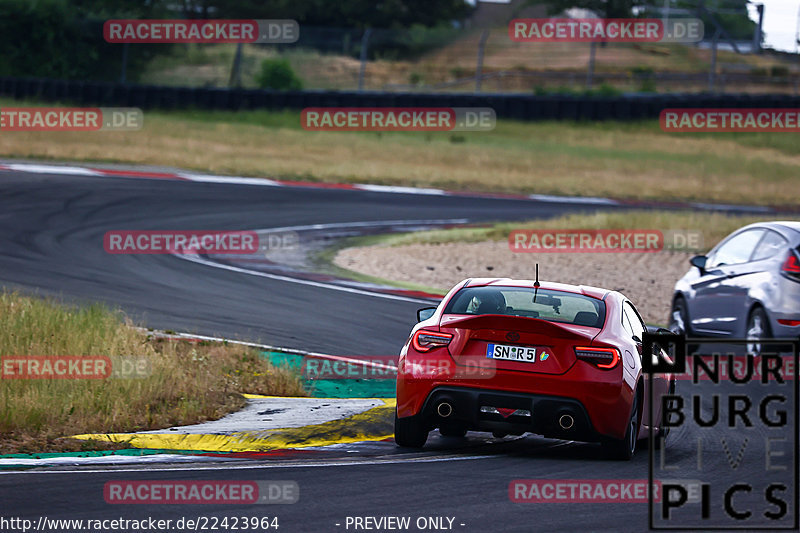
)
(566, 421)
(444, 409)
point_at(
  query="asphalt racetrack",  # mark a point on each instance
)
(51, 241)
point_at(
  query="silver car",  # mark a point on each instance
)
(748, 286)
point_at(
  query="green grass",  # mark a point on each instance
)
(185, 383)
(548, 133)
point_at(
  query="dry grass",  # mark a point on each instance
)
(605, 159)
(204, 65)
(713, 226)
(188, 383)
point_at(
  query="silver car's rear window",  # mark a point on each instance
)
(554, 306)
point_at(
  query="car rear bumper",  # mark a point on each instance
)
(603, 397)
(784, 306)
(535, 413)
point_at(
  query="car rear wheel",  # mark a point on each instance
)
(757, 329)
(623, 449)
(663, 429)
(409, 432)
(679, 322)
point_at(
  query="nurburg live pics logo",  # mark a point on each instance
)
(739, 413)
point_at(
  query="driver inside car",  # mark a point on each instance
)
(487, 304)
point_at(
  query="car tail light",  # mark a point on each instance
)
(788, 322)
(791, 267)
(425, 341)
(604, 358)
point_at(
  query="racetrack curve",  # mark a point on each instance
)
(51, 240)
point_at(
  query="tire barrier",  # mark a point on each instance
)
(525, 107)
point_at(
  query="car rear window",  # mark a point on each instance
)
(554, 306)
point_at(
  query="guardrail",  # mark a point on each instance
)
(511, 106)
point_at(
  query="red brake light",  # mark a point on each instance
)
(425, 341)
(604, 358)
(788, 322)
(791, 266)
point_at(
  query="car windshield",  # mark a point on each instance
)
(554, 306)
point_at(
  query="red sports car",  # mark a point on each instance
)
(515, 356)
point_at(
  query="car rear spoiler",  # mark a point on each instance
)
(517, 323)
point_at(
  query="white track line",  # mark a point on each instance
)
(310, 283)
(51, 169)
(266, 182)
(400, 189)
(197, 259)
(259, 466)
(428, 222)
(242, 343)
(573, 199)
(293, 351)
(235, 180)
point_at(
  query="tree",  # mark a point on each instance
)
(59, 39)
(349, 14)
(729, 15)
(612, 9)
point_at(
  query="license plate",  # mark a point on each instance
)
(506, 352)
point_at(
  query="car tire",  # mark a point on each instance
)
(757, 329)
(663, 432)
(679, 322)
(679, 317)
(624, 449)
(409, 432)
(453, 431)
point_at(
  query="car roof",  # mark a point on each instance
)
(593, 292)
(788, 228)
(791, 224)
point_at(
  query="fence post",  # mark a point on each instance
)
(362, 68)
(712, 73)
(236, 71)
(758, 29)
(590, 72)
(123, 75)
(479, 67)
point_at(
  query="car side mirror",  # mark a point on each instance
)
(700, 262)
(425, 313)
